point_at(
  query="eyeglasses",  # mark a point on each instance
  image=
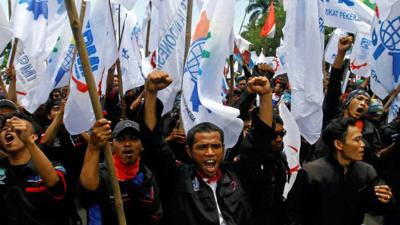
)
(281, 134)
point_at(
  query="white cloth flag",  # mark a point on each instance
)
(29, 73)
(241, 43)
(129, 53)
(305, 34)
(170, 45)
(292, 144)
(385, 64)
(343, 14)
(212, 42)
(102, 51)
(332, 46)
(360, 59)
(394, 109)
(38, 25)
(5, 30)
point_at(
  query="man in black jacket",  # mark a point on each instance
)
(139, 189)
(339, 188)
(209, 192)
(355, 106)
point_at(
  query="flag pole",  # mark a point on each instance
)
(9, 9)
(393, 95)
(188, 37)
(146, 49)
(231, 83)
(118, 62)
(188, 29)
(80, 45)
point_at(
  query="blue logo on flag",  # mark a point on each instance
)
(38, 7)
(390, 39)
(347, 2)
(193, 67)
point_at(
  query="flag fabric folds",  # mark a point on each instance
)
(46, 18)
(102, 50)
(305, 34)
(268, 30)
(202, 97)
(5, 30)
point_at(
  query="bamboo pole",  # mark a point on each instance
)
(9, 9)
(118, 62)
(188, 29)
(188, 37)
(231, 83)
(146, 49)
(80, 45)
(392, 96)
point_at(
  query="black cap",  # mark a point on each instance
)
(5, 103)
(125, 124)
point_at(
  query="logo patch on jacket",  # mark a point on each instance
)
(3, 175)
(196, 184)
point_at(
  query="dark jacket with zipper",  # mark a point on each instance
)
(191, 201)
(323, 194)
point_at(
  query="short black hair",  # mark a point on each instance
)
(50, 104)
(200, 128)
(337, 130)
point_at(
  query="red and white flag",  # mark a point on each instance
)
(268, 29)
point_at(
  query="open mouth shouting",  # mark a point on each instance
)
(9, 138)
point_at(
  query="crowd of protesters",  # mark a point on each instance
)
(48, 176)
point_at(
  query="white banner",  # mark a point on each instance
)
(360, 59)
(385, 68)
(202, 97)
(102, 52)
(5, 30)
(343, 14)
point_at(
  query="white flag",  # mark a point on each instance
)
(292, 144)
(343, 14)
(5, 30)
(304, 34)
(360, 59)
(38, 25)
(171, 28)
(385, 68)
(332, 46)
(241, 43)
(102, 51)
(212, 42)
(129, 53)
(394, 109)
(30, 73)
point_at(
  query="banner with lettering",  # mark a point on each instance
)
(346, 14)
(102, 51)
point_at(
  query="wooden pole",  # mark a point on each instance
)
(13, 52)
(392, 96)
(231, 83)
(188, 29)
(80, 45)
(188, 37)
(146, 49)
(118, 62)
(9, 9)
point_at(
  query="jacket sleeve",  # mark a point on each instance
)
(332, 97)
(157, 155)
(296, 200)
(255, 147)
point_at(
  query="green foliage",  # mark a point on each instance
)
(252, 29)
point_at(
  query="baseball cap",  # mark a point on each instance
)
(123, 125)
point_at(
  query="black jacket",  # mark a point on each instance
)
(140, 196)
(324, 195)
(191, 201)
(332, 109)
